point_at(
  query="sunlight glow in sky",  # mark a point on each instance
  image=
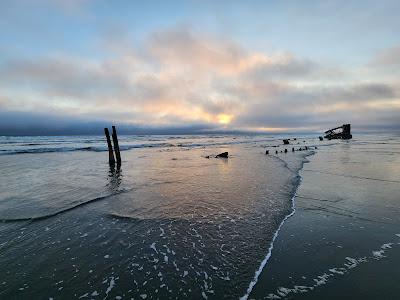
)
(265, 66)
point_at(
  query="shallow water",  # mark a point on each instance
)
(169, 223)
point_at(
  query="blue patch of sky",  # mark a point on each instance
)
(342, 32)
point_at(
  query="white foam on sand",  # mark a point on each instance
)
(267, 257)
(153, 246)
(339, 271)
(349, 264)
(378, 254)
(387, 246)
(111, 285)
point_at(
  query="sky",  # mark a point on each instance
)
(196, 66)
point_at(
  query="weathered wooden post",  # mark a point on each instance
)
(111, 159)
(116, 146)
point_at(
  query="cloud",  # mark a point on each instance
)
(387, 58)
(180, 78)
(290, 106)
(64, 76)
(183, 49)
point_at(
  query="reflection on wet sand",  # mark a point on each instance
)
(114, 177)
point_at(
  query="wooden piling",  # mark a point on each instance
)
(111, 159)
(116, 146)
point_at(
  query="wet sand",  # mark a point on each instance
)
(343, 240)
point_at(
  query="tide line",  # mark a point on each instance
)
(267, 257)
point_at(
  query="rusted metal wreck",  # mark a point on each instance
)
(341, 132)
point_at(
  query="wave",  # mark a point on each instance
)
(61, 211)
(38, 150)
(71, 149)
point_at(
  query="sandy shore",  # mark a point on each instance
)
(344, 237)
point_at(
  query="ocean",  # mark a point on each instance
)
(171, 223)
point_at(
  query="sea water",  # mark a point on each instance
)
(169, 223)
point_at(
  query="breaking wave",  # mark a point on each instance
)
(28, 149)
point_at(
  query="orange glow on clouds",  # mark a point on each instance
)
(224, 119)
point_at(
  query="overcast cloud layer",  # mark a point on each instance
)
(181, 78)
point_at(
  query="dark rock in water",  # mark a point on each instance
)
(223, 155)
(276, 151)
(316, 147)
(321, 138)
(306, 148)
(295, 139)
(208, 156)
(285, 150)
(292, 149)
(267, 152)
(286, 142)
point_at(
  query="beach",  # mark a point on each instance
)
(172, 223)
(343, 240)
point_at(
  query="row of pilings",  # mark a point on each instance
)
(294, 149)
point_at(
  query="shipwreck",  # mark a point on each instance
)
(341, 132)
